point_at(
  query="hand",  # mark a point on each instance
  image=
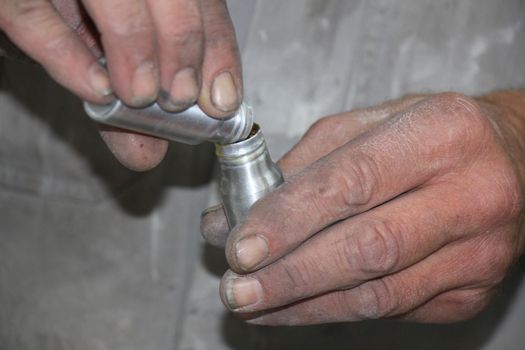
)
(410, 210)
(175, 52)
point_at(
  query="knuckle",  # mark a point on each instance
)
(340, 189)
(324, 126)
(483, 262)
(501, 199)
(376, 250)
(465, 304)
(376, 300)
(492, 262)
(361, 181)
(345, 187)
(462, 121)
(460, 105)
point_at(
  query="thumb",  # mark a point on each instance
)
(214, 226)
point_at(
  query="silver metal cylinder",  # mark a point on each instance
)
(191, 126)
(247, 174)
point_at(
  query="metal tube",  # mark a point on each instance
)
(191, 126)
(247, 171)
(247, 174)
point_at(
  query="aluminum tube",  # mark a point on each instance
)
(191, 126)
(247, 174)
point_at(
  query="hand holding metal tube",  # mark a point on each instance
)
(174, 53)
(409, 210)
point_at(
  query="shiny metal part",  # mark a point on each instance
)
(191, 126)
(247, 171)
(247, 174)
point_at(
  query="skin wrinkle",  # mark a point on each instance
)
(490, 262)
(375, 250)
(301, 274)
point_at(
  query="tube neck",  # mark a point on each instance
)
(237, 152)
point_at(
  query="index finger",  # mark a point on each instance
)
(416, 146)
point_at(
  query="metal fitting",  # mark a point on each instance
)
(191, 126)
(247, 174)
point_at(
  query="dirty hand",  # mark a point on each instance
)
(410, 210)
(175, 52)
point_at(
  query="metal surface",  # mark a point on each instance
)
(247, 174)
(191, 126)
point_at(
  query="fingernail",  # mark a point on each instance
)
(224, 94)
(145, 84)
(184, 90)
(242, 292)
(100, 80)
(251, 251)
